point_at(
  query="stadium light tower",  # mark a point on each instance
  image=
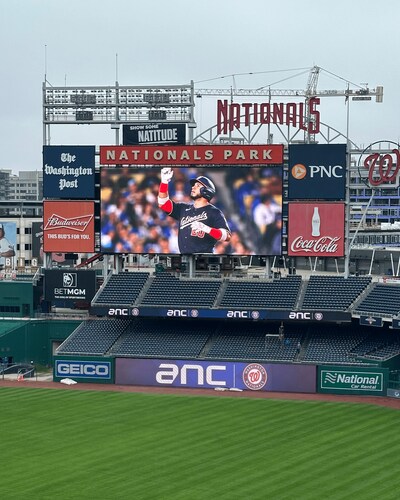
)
(365, 95)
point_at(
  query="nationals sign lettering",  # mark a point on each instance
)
(316, 229)
(233, 115)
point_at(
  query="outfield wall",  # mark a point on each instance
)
(229, 375)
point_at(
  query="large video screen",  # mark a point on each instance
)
(229, 210)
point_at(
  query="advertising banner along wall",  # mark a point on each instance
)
(354, 380)
(121, 310)
(210, 374)
(93, 369)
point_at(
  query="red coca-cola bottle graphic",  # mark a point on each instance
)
(315, 223)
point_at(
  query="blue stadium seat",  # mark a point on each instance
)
(121, 289)
(333, 292)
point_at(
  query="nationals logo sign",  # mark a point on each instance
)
(316, 229)
(382, 168)
(255, 376)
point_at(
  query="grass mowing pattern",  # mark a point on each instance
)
(110, 445)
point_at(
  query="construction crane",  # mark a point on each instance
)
(361, 92)
(311, 90)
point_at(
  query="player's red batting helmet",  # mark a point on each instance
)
(207, 190)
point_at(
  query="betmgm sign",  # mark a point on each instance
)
(69, 284)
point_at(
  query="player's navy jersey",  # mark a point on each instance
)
(189, 240)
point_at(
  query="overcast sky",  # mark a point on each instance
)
(160, 42)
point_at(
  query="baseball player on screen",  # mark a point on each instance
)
(201, 224)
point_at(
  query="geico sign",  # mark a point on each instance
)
(82, 369)
(170, 372)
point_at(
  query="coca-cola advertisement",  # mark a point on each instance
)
(68, 226)
(316, 229)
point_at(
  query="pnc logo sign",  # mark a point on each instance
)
(299, 171)
(317, 168)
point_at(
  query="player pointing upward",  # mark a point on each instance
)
(201, 224)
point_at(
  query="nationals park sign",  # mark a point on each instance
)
(269, 154)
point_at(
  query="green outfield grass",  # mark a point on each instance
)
(108, 445)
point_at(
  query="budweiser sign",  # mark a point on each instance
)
(74, 223)
(233, 115)
(316, 229)
(65, 229)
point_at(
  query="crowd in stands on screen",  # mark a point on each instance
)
(259, 201)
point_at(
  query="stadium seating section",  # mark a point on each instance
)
(262, 294)
(254, 342)
(207, 339)
(121, 288)
(167, 290)
(94, 337)
(164, 289)
(384, 299)
(317, 293)
(170, 338)
(346, 344)
(333, 292)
